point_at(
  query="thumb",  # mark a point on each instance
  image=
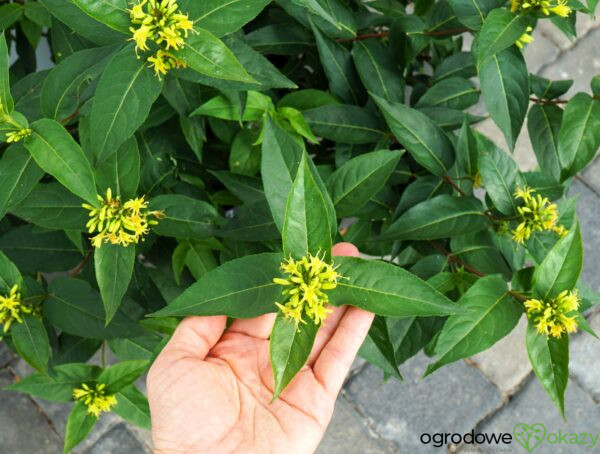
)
(345, 250)
(195, 336)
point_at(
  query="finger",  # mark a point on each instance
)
(195, 336)
(333, 320)
(259, 327)
(334, 362)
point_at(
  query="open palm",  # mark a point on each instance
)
(210, 389)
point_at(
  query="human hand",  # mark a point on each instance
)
(210, 389)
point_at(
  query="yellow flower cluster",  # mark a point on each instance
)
(552, 317)
(15, 136)
(12, 308)
(560, 8)
(95, 399)
(162, 23)
(120, 223)
(306, 283)
(537, 214)
(525, 38)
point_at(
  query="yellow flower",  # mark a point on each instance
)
(120, 223)
(163, 61)
(545, 6)
(525, 38)
(561, 9)
(537, 214)
(554, 316)
(307, 281)
(95, 398)
(15, 136)
(12, 308)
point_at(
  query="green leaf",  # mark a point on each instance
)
(222, 18)
(53, 207)
(442, 216)
(114, 268)
(31, 341)
(561, 268)
(6, 100)
(55, 151)
(543, 124)
(79, 425)
(140, 347)
(467, 151)
(500, 175)
(459, 64)
(500, 30)
(244, 158)
(220, 106)
(549, 89)
(251, 222)
(480, 251)
(422, 138)
(245, 188)
(184, 217)
(379, 344)
(19, 174)
(356, 182)
(472, 13)
(120, 171)
(387, 289)
(318, 10)
(133, 407)
(290, 345)
(453, 92)
(491, 314)
(240, 288)
(549, 357)
(59, 386)
(505, 89)
(9, 275)
(205, 53)
(306, 228)
(76, 308)
(112, 13)
(578, 137)
(37, 13)
(122, 374)
(345, 123)
(378, 69)
(126, 91)
(9, 14)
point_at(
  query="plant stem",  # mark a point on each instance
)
(75, 271)
(451, 182)
(103, 355)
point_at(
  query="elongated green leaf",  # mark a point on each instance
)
(133, 407)
(251, 222)
(561, 268)
(114, 268)
(140, 347)
(378, 69)
(467, 151)
(387, 289)
(9, 14)
(306, 228)
(257, 104)
(378, 346)
(334, 17)
(240, 288)
(55, 151)
(505, 89)
(472, 12)
(543, 124)
(245, 188)
(578, 138)
(500, 175)
(122, 374)
(126, 91)
(440, 217)
(453, 92)
(31, 341)
(112, 13)
(6, 100)
(459, 64)
(480, 251)
(357, 181)
(222, 18)
(9, 275)
(422, 138)
(491, 314)
(208, 55)
(120, 171)
(19, 174)
(184, 217)
(290, 346)
(79, 425)
(500, 30)
(76, 308)
(549, 357)
(549, 89)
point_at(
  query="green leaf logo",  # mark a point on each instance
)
(529, 436)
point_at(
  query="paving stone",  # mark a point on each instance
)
(348, 433)
(585, 359)
(588, 209)
(23, 429)
(118, 440)
(591, 175)
(453, 399)
(531, 406)
(584, 24)
(5, 355)
(506, 364)
(540, 52)
(580, 63)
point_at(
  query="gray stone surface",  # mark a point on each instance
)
(5, 355)
(348, 433)
(454, 398)
(118, 440)
(541, 51)
(585, 359)
(532, 406)
(588, 209)
(591, 176)
(23, 429)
